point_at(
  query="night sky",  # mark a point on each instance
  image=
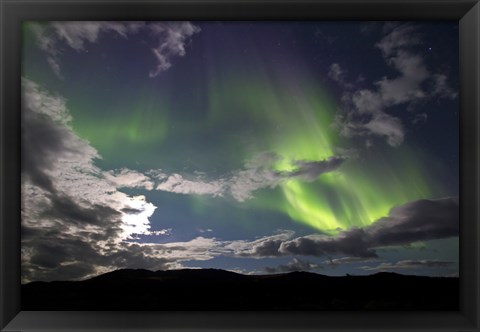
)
(255, 147)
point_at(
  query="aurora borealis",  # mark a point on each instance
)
(248, 146)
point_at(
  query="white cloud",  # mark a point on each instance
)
(441, 87)
(365, 109)
(386, 125)
(177, 184)
(267, 246)
(55, 65)
(37, 100)
(420, 118)
(367, 101)
(137, 223)
(126, 178)
(257, 174)
(337, 74)
(400, 36)
(171, 43)
(170, 38)
(76, 33)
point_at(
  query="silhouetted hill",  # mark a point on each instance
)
(212, 289)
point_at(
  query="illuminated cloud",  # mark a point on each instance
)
(337, 74)
(366, 109)
(170, 38)
(175, 183)
(257, 174)
(266, 246)
(126, 178)
(65, 197)
(172, 42)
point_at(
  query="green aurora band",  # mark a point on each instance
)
(296, 117)
(254, 108)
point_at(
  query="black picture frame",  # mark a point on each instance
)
(13, 12)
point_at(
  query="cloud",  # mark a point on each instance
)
(350, 260)
(310, 170)
(172, 43)
(420, 118)
(170, 38)
(365, 110)
(409, 264)
(420, 220)
(441, 87)
(258, 173)
(75, 221)
(175, 183)
(126, 178)
(399, 36)
(353, 242)
(60, 167)
(386, 125)
(73, 216)
(267, 246)
(367, 101)
(75, 34)
(337, 74)
(295, 265)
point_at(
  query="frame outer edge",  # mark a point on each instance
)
(469, 26)
(9, 168)
(8, 308)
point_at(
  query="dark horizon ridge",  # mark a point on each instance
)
(216, 289)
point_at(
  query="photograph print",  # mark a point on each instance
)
(240, 165)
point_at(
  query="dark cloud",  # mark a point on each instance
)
(131, 211)
(268, 247)
(42, 141)
(311, 170)
(353, 242)
(50, 252)
(63, 207)
(73, 257)
(421, 220)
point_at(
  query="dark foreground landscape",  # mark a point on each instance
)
(209, 289)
